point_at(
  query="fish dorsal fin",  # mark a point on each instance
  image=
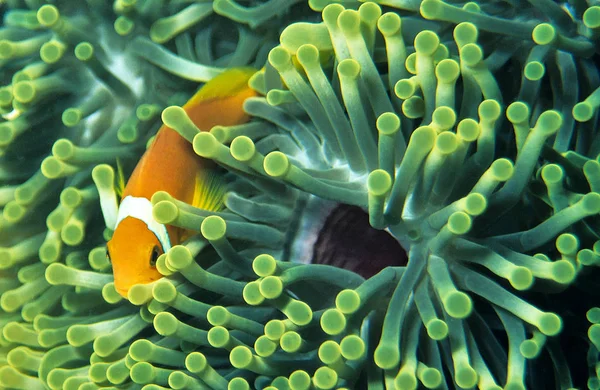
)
(210, 190)
(227, 84)
(120, 184)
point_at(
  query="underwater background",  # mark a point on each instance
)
(414, 203)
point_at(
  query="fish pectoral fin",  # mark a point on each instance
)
(120, 183)
(210, 190)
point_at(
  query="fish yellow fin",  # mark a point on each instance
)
(120, 184)
(228, 83)
(210, 190)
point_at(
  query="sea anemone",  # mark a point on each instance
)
(413, 203)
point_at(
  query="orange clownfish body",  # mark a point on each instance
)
(171, 165)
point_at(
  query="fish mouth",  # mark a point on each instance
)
(122, 291)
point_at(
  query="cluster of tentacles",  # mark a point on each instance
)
(414, 203)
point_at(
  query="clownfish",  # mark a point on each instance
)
(171, 165)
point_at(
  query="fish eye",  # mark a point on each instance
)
(154, 256)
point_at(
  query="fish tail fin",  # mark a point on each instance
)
(210, 190)
(229, 83)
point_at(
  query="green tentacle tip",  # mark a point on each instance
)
(347, 301)
(141, 350)
(349, 22)
(72, 117)
(308, 55)
(552, 173)
(165, 212)
(471, 54)
(103, 175)
(405, 88)
(388, 123)
(593, 315)
(290, 342)
(84, 51)
(594, 334)
(468, 130)
(464, 32)
(386, 356)
(521, 278)
(264, 347)
(24, 91)
(544, 34)
(274, 329)
(591, 203)
(466, 377)
(489, 109)
(242, 148)
(583, 111)
(276, 164)
(238, 384)
(180, 380)
(379, 182)
(264, 265)
(218, 337)
(459, 223)
(549, 324)
(348, 68)
(567, 244)
(502, 169)
(591, 17)
(196, 362)
(369, 12)
(123, 25)
(353, 347)
(252, 295)
(48, 15)
(517, 112)
(241, 357)
(213, 228)
(437, 329)
(205, 145)
(534, 70)
(179, 257)
(299, 380)
(389, 24)
(405, 380)
(299, 313)
(413, 107)
(166, 324)
(63, 149)
(529, 349)
(325, 378)
(549, 122)
(444, 117)
(162, 30)
(447, 142)
(173, 116)
(280, 59)
(426, 42)
(447, 71)
(218, 316)
(329, 352)
(140, 294)
(333, 322)
(52, 51)
(142, 373)
(458, 304)
(271, 287)
(164, 291)
(430, 377)
(475, 204)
